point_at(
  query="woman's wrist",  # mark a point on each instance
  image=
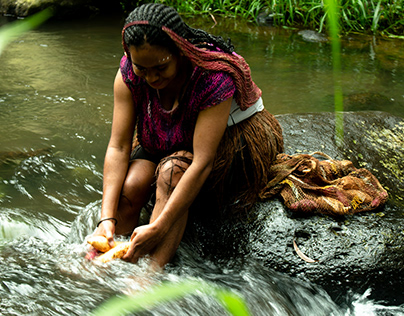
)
(162, 224)
(108, 219)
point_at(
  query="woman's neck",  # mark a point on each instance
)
(170, 97)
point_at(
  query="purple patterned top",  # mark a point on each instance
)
(160, 131)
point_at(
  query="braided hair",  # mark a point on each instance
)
(159, 15)
(157, 24)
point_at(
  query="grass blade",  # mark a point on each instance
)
(376, 17)
(332, 13)
(168, 292)
(12, 30)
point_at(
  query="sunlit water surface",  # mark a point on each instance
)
(56, 110)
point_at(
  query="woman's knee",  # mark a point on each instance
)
(171, 169)
(138, 183)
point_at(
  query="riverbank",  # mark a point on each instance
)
(381, 17)
(363, 16)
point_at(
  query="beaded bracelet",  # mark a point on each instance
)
(106, 219)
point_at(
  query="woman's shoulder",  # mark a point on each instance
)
(212, 78)
(211, 87)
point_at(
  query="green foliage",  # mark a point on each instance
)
(364, 16)
(361, 16)
(167, 292)
(247, 9)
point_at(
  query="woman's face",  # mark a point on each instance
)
(157, 65)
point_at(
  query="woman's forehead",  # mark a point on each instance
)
(149, 55)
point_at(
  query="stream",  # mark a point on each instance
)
(56, 105)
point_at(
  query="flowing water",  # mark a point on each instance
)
(56, 109)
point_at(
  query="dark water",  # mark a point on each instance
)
(55, 116)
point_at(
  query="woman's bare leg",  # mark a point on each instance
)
(169, 174)
(135, 194)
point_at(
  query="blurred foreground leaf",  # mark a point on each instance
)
(12, 30)
(332, 8)
(167, 292)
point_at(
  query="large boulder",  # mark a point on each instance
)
(353, 252)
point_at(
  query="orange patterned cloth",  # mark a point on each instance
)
(329, 186)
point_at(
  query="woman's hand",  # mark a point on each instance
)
(144, 239)
(106, 229)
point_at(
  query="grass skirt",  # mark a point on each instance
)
(241, 169)
(245, 154)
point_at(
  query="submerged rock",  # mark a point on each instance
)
(353, 252)
(312, 36)
(267, 18)
(15, 156)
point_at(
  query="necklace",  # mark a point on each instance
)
(177, 99)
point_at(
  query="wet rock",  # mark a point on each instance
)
(312, 36)
(267, 18)
(352, 253)
(355, 252)
(61, 8)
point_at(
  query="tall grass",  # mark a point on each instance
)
(363, 16)
(246, 9)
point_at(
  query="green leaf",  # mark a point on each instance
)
(167, 292)
(12, 30)
(233, 303)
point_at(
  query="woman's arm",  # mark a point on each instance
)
(210, 127)
(209, 130)
(117, 155)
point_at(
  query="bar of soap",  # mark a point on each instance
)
(100, 243)
(115, 253)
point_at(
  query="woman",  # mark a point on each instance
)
(199, 123)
